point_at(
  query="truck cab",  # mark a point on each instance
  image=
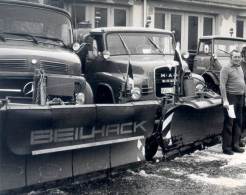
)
(213, 53)
(120, 62)
(37, 63)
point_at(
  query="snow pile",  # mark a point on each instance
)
(144, 174)
(220, 181)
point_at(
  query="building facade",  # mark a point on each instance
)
(189, 19)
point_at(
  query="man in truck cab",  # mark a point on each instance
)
(232, 87)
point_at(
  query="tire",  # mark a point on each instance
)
(103, 95)
(151, 147)
(211, 85)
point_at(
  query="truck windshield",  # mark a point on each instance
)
(48, 25)
(140, 43)
(222, 47)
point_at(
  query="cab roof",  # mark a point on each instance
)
(35, 5)
(223, 37)
(128, 29)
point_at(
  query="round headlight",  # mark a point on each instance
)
(136, 93)
(199, 87)
(76, 47)
(80, 98)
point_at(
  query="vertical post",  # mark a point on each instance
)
(145, 12)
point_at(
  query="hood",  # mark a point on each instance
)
(143, 64)
(143, 68)
(44, 55)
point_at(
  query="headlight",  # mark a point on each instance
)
(199, 87)
(136, 93)
(80, 98)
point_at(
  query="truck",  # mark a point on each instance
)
(70, 109)
(50, 127)
(125, 64)
(214, 52)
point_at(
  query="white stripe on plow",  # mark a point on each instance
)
(166, 124)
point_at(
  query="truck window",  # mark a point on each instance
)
(45, 24)
(139, 43)
(99, 43)
(222, 46)
(205, 47)
(115, 45)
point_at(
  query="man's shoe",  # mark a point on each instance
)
(238, 150)
(241, 144)
(228, 152)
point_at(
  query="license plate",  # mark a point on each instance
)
(167, 90)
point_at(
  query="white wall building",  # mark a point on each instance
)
(189, 19)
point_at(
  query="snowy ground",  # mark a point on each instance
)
(203, 172)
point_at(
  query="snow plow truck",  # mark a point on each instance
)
(61, 119)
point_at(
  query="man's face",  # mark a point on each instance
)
(236, 58)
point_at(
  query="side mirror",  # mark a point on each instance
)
(106, 54)
(185, 55)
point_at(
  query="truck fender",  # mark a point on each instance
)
(212, 76)
(108, 87)
(89, 98)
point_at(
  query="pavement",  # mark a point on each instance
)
(207, 171)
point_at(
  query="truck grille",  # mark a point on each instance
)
(13, 64)
(146, 89)
(54, 67)
(164, 81)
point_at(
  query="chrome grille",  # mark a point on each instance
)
(146, 89)
(13, 64)
(165, 79)
(54, 67)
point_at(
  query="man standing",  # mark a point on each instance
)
(232, 87)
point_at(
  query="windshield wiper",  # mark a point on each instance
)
(53, 39)
(21, 34)
(156, 46)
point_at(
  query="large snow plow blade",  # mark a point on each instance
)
(192, 125)
(187, 123)
(193, 122)
(46, 143)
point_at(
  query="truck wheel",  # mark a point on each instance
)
(211, 85)
(151, 147)
(103, 95)
(89, 99)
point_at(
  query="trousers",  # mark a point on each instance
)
(232, 128)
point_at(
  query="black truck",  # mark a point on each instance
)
(212, 54)
(119, 63)
(37, 64)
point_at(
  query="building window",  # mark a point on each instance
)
(176, 26)
(78, 14)
(119, 17)
(159, 20)
(240, 26)
(101, 17)
(192, 32)
(207, 26)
